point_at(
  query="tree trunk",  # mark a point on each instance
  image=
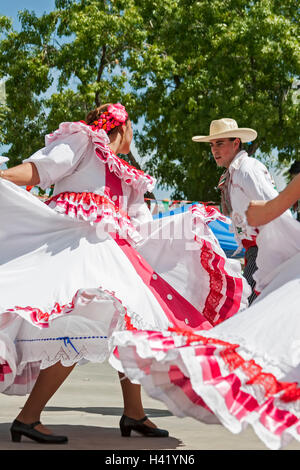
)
(99, 74)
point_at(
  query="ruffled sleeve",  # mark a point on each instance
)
(137, 179)
(65, 147)
(59, 158)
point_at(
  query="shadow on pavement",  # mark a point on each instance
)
(89, 438)
(113, 411)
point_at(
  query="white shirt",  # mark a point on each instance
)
(278, 240)
(249, 180)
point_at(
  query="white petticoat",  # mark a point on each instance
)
(66, 285)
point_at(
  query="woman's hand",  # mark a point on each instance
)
(259, 213)
(262, 212)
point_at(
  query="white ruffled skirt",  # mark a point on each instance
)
(245, 371)
(66, 285)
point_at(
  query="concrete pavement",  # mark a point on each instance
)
(88, 406)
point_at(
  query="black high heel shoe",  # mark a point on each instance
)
(19, 429)
(129, 424)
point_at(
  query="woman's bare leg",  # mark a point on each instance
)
(47, 383)
(133, 407)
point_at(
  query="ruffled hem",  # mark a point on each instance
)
(228, 292)
(208, 379)
(69, 343)
(97, 209)
(207, 213)
(129, 174)
(81, 299)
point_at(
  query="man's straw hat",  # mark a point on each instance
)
(226, 128)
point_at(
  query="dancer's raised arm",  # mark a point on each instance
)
(262, 212)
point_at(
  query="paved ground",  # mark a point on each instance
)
(88, 407)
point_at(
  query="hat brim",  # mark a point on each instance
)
(245, 134)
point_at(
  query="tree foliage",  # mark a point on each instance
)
(175, 65)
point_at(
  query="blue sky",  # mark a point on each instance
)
(11, 8)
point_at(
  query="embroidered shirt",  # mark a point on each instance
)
(247, 179)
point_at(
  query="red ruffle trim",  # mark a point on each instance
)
(288, 391)
(4, 370)
(95, 208)
(222, 285)
(42, 318)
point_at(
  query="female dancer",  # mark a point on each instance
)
(245, 371)
(82, 266)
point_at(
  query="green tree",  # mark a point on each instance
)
(218, 58)
(176, 65)
(63, 64)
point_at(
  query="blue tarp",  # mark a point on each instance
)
(220, 230)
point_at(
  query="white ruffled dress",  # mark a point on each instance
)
(92, 262)
(246, 370)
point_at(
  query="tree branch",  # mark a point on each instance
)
(177, 81)
(99, 74)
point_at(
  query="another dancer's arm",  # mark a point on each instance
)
(25, 174)
(262, 212)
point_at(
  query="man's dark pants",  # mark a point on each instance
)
(250, 268)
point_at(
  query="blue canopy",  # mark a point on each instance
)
(220, 230)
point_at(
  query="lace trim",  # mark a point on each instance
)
(129, 174)
(286, 391)
(123, 170)
(95, 209)
(126, 321)
(215, 294)
(219, 279)
(68, 351)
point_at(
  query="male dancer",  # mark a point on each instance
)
(245, 179)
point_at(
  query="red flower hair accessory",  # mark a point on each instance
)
(115, 115)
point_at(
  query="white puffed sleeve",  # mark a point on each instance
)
(59, 159)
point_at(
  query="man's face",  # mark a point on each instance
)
(224, 150)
